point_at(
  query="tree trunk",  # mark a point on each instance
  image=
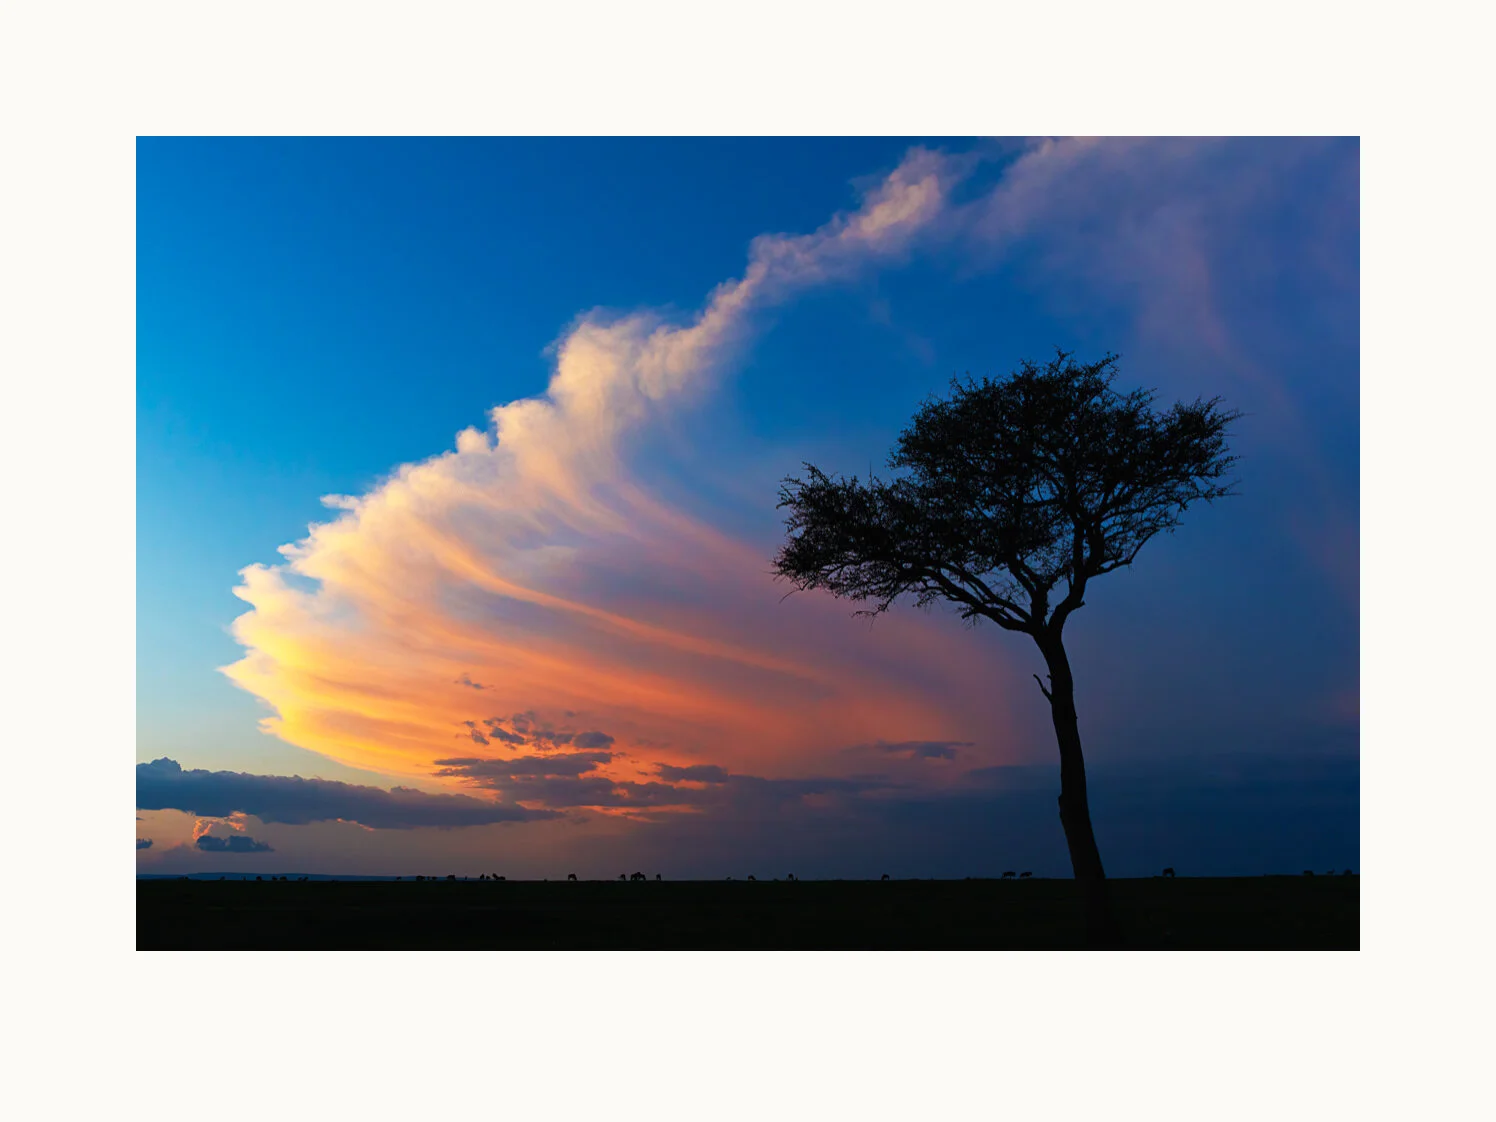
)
(1075, 808)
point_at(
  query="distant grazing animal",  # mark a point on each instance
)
(1009, 875)
(571, 876)
(885, 876)
(451, 876)
(482, 876)
(752, 877)
(256, 878)
(420, 878)
(501, 878)
(623, 876)
(1022, 875)
(638, 876)
(658, 877)
(1169, 872)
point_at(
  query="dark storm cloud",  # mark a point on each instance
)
(163, 785)
(564, 781)
(695, 773)
(143, 843)
(239, 843)
(488, 772)
(530, 732)
(587, 790)
(925, 749)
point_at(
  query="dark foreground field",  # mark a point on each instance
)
(1239, 913)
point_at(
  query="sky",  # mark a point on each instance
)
(457, 471)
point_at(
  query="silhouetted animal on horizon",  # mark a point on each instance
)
(571, 876)
(1021, 876)
(790, 877)
(451, 876)
(1009, 875)
(885, 876)
(1169, 872)
(256, 878)
(638, 876)
(752, 877)
(623, 876)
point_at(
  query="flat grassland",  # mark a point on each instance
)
(1188, 913)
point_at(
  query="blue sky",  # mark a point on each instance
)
(313, 314)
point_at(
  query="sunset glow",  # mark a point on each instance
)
(554, 610)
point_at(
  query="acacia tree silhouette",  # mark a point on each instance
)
(1011, 487)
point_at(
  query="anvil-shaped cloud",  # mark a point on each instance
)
(493, 575)
(531, 570)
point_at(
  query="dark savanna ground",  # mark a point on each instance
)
(1236, 913)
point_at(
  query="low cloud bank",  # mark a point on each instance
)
(239, 843)
(163, 785)
(573, 779)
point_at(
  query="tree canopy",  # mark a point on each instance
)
(1009, 490)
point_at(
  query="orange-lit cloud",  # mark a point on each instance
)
(529, 571)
